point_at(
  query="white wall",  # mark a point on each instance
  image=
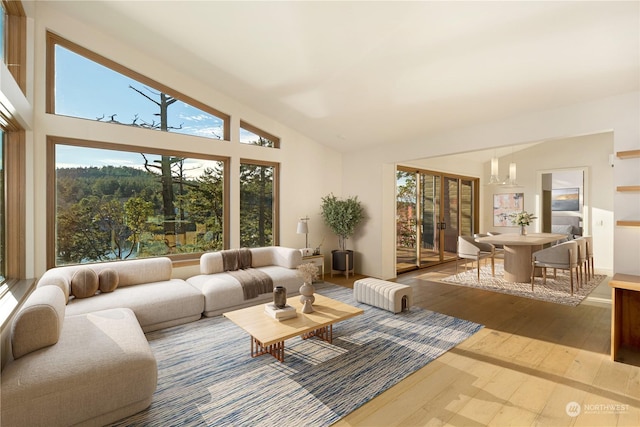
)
(308, 169)
(369, 175)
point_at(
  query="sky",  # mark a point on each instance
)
(89, 90)
(68, 156)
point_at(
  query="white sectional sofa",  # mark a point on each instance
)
(223, 292)
(144, 285)
(80, 356)
(87, 369)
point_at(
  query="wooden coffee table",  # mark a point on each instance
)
(268, 334)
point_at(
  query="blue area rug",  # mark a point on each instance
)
(206, 376)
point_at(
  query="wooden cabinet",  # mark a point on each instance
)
(623, 155)
(625, 318)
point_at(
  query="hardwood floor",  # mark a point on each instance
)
(524, 368)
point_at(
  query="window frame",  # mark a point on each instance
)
(53, 39)
(276, 194)
(15, 42)
(52, 141)
(14, 156)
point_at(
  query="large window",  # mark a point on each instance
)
(113, 202)
(86, 85)
(110, 201)
(258, 195)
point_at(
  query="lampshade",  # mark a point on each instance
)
(303, 228)
(511, 178)
(494, 179)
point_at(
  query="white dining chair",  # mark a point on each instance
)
(589, 262)
(582, 258)
(468, 248)
(563, 256)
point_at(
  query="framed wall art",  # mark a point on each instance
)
(565, 199)
(504, 205)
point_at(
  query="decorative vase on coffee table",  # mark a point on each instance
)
(279, 296)
(306, 297)
(523, 230)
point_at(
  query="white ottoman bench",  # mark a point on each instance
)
(391, 296)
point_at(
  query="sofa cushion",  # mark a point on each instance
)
(84, 283)
(39, 321)
(211, 263)
(62, 283)
(156, 305)
(130, 272)
(108, 280)
(275, 255)
(137, 271)
(222, 292)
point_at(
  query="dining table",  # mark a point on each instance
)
(518, 249)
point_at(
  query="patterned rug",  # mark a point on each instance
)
(206, 376)
(555, 290)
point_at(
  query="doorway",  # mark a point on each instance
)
(563, 201)
(432, 210)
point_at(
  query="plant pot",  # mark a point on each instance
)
(339, 260)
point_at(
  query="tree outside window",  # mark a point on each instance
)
(257, 186)
(118, 210)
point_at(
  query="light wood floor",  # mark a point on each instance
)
(529, 362)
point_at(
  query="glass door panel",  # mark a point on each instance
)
(430, 247)
(406, 221)
(450, 212)
(466, 208)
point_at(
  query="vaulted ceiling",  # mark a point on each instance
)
(360, 74)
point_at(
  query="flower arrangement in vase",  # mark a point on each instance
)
(522, 219)
(308, 272)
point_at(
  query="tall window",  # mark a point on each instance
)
(113, 202)
(3, 257)
(258, 195)
(85, 85)
(2, 31)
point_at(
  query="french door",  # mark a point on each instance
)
(432, 210)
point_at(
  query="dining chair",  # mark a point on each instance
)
(582, 258)
(468, 248)
(589, 262)
(563, 256)
(499, 248)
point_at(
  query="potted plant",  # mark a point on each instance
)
(342, 216)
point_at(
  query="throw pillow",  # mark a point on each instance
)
(84, 283)
(108, 280)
